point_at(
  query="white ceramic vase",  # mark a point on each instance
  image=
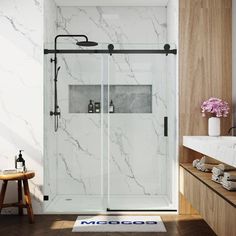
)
(214, 126)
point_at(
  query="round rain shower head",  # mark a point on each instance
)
(86, 43)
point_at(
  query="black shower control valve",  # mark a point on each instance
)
(53, 60)
(55, 113)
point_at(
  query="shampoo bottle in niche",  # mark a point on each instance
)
(111, 107)
(90, 107)
(20, 163)
(97, 107)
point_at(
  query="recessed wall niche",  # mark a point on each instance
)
(126, 98)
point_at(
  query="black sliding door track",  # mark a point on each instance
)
(115, 51)
(108, 209)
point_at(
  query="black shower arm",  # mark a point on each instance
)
(68, 36)
(64, 36)
(55, 53)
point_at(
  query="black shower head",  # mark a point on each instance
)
(86, 43)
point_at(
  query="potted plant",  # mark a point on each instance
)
(218, 108)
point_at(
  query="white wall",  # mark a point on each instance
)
(21, 90)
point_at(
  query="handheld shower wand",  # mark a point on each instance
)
(56, 113)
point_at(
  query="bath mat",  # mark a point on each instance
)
(108, 223)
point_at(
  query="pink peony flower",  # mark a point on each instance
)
(215, 106)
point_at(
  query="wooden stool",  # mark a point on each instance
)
(19, 177)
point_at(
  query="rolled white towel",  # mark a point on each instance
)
(216, 178)
(225, 167)
(217, 171)
(230, 176)
(224, 180)
(198, 165)
(209, 160)
(205, 160)
(229, 185)
(195, 162)
(205, 167)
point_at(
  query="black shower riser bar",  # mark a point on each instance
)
(115, 51)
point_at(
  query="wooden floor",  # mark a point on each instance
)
(61, 225)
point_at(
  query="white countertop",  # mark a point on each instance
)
(221, 148)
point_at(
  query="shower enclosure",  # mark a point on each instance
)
(103, 161)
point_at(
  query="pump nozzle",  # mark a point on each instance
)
(20, 154)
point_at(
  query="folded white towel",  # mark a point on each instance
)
(195, 162)
(217, 171)
(216, 178)
(229, 185)
(230, 176)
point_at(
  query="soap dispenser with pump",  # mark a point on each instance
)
(20, 163)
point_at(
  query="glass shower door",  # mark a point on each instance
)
(74, 170)
(137, 152)
(117, 158)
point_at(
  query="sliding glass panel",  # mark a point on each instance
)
(138, 161)
(78, 159)
(117, 157)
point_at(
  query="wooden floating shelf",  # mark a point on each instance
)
(205, 178)
(216, 205)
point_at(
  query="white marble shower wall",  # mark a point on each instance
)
(50, 137)
(115, 24)
(137, 148)
(21, 91)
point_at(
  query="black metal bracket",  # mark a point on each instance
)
(165, 126)
(167, 48)
(46, 51)
(110, 48)
(46, 198)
